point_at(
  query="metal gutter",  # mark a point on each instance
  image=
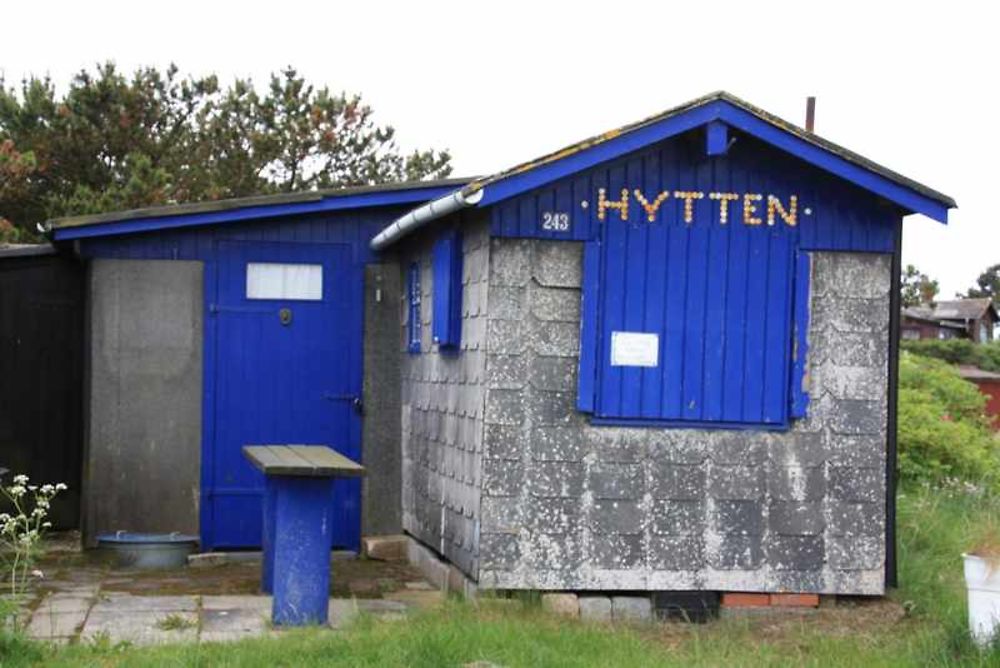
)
(427, 213)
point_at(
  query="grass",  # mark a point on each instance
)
(175, 622)
(923, 624)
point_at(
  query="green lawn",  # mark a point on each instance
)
(923, 625)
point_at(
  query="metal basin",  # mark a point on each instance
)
(148, 550)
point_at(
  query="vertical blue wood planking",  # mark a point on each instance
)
(800, 350)
(586, 376)
(446, 322)
(635, 266)
(655, 281)
(613, 308)
(777, 340)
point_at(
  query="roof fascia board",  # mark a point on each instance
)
(834, 164)
(598, 153)
(359, 201)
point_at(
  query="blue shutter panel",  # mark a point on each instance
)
(413, 295)
(800, 344)
(447, 317)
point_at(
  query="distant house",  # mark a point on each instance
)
(954, 319)
(989, 385)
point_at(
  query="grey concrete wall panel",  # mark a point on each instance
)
(143, 451)
(382, 487)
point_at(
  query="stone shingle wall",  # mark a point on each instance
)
(442, 410)
(567, 505)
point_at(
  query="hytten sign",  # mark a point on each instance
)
(756, 208)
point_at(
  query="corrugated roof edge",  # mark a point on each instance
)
(26, 250)
(246, 202)
(722, 95)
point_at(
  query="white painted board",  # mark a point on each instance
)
(635, 349)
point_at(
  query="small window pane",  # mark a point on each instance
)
(270, 280)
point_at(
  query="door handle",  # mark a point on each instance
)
(356, 403)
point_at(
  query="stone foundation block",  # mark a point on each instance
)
(561, 604)
(595, 608)
(631, 609)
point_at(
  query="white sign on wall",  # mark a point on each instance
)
(635, 349)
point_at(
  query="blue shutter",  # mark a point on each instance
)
(800, 344)
(447, 318)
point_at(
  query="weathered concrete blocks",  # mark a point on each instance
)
(796, 518)
(617, 481)
(557, 264)
(856, 519)
(674, 517)
(796, 483)
(507, 303)
(507, 372)
(556, 551)
(559, 339)
(556, 479)
(738, 517)
(551, 408)
(551, 373)
(677, 481)
(736, 482)
(510, 261)
(798, 449)
(502, 477)
(612, 516)
(504, 407)
(737, 552)
(849, 483)
(555, 304)
(616, 551)
(554, 515)
(502, 441)
(863, 451)
(856, 552)
(796, 553)
(677, 553)
(557, 443)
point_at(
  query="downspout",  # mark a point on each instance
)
(420, 216)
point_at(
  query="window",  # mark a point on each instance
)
(911, 334)
(271, 280)
(413, 295)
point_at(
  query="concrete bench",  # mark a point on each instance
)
(297, 535)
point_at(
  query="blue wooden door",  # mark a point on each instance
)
(284, 339)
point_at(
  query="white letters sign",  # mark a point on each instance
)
(635, 349)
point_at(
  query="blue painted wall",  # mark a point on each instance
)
(720, 297)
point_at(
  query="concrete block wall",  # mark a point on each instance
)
(570, 506)
(443, 410)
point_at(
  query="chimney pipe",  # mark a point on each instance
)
(810, 113)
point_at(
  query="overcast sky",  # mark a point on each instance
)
(908, 85)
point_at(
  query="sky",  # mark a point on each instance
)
(498, 83)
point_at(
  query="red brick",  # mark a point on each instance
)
(795, 600)
(745, 600)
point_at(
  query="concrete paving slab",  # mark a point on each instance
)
(128, 602)
(236, 602)
(141, 627)
(342, 611)
(48, 625)
(246, 622)
(59, 603)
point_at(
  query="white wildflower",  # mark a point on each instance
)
(21, 479)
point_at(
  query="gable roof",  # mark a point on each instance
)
(249, 208)
(963, 309)
(716, 107)
(948, 311)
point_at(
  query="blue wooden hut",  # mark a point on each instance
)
(660, 359)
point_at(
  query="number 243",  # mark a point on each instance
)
(555, 221)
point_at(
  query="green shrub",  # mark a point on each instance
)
(944, 434)
(958, 351)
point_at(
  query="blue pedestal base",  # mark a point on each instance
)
(297, 542)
